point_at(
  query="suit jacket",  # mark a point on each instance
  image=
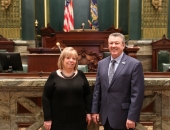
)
(123, 98)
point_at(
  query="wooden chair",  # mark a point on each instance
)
(106, 54)
(160, 53)
(90, 59)
(166, 67)
(83, 68)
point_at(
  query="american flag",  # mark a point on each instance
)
(68, 16)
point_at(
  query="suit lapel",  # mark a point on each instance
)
(119, 68)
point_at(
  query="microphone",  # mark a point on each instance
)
(58, 44)
(83, 26)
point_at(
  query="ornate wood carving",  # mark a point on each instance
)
(89, 58)
(47, 31)
(113, 29)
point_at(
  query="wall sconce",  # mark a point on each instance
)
(83, 24)
(36, 23)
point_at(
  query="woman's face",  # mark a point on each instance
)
(69, 62)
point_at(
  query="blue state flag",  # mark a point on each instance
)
(93, 21)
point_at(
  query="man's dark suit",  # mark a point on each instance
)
(123, 98)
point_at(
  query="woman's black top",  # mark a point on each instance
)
(66, 101)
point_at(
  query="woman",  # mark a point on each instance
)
(66, 97)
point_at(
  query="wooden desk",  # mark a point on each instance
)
(85, 57)
(89, 45)
(43, 51)
(42, 62)
(6, 44)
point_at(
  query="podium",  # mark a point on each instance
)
(42, 62)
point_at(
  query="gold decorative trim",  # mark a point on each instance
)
(154, 19)
(10, 19)
(5, 4)
(116, 13)
(157, 4)
(46, 12)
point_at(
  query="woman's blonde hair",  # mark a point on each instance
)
(67, 51)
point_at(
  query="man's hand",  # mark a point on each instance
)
(130, 124)
(88, 119)
(47, 125)
(95, 118)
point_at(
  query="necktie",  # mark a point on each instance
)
(111, 70)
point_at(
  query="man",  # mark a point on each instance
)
(119, 102)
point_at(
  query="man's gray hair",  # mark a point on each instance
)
(118, 35)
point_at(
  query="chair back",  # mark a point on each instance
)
(83, 68)
(163, 57)
(166, 67)
(106, 54)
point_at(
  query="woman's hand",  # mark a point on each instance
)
(47, 125)
(88, 119)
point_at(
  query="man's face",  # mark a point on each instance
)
(115, 46)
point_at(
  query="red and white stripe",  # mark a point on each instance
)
(68, 17)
